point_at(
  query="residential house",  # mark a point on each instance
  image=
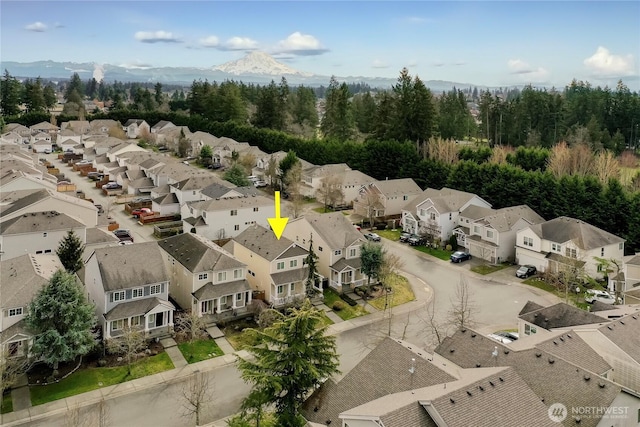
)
(627, 279)
(115, 152)
(166, 204)
(134, 128)
(191, 189)
(21, 130)
(98, 238)
(18, 203)
(41, 143)
(314, 177)
(80, 127)
(170, 137)
(337, 244)
(162, 125)
(416, 391)
(227, 217)
(565, 243)
(13, 138)
(570, 377)
(44, 127)
(435, 212)
(262, 165)
(350, 182)
(225, 190)
(385, 198)
(129, 286)
(37, 232)
(534, 319)
(15, 180)
(205, 277)
(20, 280)
(276, 267)
(493, 237)
(68, 140)
(102, 126)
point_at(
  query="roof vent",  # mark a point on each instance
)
(621, 322)
(473, 335)
(569, 336)
(601, 384)
(506, 352)
(538, 354)
(609, 327)
(535, 314)
(492, 384)
(469, 393)
(451, 400)
(451, 350)
(577, 419)
(555, 342)
(551, 360)
(561, 339)
(478, 365)
(634, 317)
(481, 388)
(587, 377)
(463, 330)
(546, 319)
(501, 379)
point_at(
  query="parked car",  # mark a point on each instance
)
(513, 336)
(214, 165)
(123, 235)
(593, 295)
(460, 256)
(525, 271)
(140, 212)
(373, 237)
(404, 236)
(259, 183)
(111, 186)
(141, 199)
(415, 240)
(47, 151)
(500, 338)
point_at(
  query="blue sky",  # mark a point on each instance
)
(479, 42)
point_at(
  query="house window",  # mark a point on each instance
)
(528, 241)
(556, 247)
(292, 287)
(152, 321)
(234, 212)
(238, 297)
(255, 209)
(529, 330)
(137, 293)
(338, 252)
(194, 192)
(621, 247)
(280, 266)
(432, 216)
(489, 234)
(280, 289)
(320, 248)
(222, 276)
(476, 229)
(423, 212)
(137, 321)
(44, 234)
(293, 263)
(236, 227)
(602, 252)
(203, 276)
(223, 300)
(15, 311)
(352, 252)
(450, 216)
(155, 289)
(405, 197)
(118, 296)
(117, 325)
(571, 253)
(600, 268)
(237, 273)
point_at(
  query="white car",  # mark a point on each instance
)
(500, 338)
(592, 295)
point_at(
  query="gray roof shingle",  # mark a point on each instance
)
(561, 315)
(264, 243)
(565, 229)
(39, 222)
(198, 254)
(211, 291)
(624, 333)
(123, 267)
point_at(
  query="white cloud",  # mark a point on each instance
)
(300, 44)
(379, 64)
(38, 27)
(156, 37)
(604, 63)
(211, 41)
(240, 43)
(528, 73)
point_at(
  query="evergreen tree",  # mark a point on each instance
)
(287, 163)
(61, 321)
(337, 121)
(236, 175)
(269, 112)
(311, 261)
(75, 84)
(157, 96)
(10, 95)
(50, 98)
(371, 257)
(70, 252)
(292, 358)
(34, 96)
(303, 106)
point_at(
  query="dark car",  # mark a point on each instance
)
(214, 165)
(415, 240)
(525, 271)
(123, 235)
(460, 256)
(404, 236)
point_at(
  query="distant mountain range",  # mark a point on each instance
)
(255, 67)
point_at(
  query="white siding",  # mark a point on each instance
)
(15, 245)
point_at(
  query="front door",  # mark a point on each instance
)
(159, 319)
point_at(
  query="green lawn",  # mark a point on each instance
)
(488, 268)
(89, 379)
(438, 253)
(200, 350)
(322, 209)
(239, 340)
(576, 299)
(537, 282)
(402, 293)
(7, 404)
(393, 235)
(330, 296)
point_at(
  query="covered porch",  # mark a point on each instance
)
(346, 275)
(153, 316)
(288, 287)
(215, 302)
(461, 234)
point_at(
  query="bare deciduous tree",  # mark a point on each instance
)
(248, 161)
(10, 369)
(330, 190)
(195, 394)
(369, 199)
(559, 162)
(437, 329)
(443, 150)
(581, 160)
(271, 171)
(499, 154)
(131, 342)
(462, 311)
(190, 325)
(606, 166)
(117, 132)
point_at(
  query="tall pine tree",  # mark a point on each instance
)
(70, 252)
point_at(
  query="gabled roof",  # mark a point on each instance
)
(444, 200)
(197, 254)
(290, 276)
(211, 291)
(264, 243)
(561, 315)
(142, 182)
(552, 379)
(504, 219)
(323, 170)
(139, 307)
(625, 334)
(22, 277)
(97, 235)
(570, 347)
(161, 124)
(37, 222)
(127, 266)
(585, 236)
(166, 199)
(529, 307)
(45, 126)
(26, 200)
(133, 174)
(354, 178)
(398, 187)
(372, 378)
(133, 122)
(199, 182)
(334, 228)
(231, 203)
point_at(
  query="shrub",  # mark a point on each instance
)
(449, 247)
(348, 300)
(338, 306)
(453, 242)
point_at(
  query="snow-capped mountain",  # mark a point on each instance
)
(260, 63)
